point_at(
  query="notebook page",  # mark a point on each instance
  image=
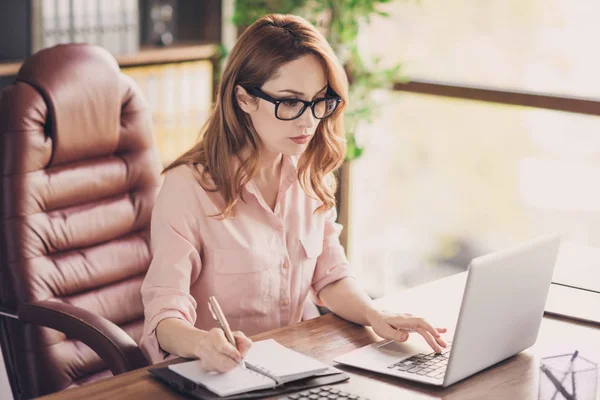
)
(281, 362)
(238, 380)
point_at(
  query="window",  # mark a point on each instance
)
(527, 45)
(445, 180)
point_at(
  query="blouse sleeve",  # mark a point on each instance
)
(332, 264)
(176, 262)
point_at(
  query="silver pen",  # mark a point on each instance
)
(218, 315)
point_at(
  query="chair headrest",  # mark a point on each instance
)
(80, 84)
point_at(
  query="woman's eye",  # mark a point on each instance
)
(291, 103)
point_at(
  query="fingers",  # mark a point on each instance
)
(218, 354)
(441, 342)
(243, 342)
(222, 345)
(227, 349)
(388, 332)
(403, 337)
(421, 323)
(430, 334)
(429, 339)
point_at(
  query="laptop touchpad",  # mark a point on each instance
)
(396, 348)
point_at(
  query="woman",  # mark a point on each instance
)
(248, 214)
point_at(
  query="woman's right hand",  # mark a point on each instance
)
(217, 354)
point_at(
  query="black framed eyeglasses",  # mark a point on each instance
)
(288, 109)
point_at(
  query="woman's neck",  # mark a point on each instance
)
(269, 167)
(267, 177)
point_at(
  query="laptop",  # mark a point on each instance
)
(500, 315)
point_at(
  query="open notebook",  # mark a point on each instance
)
(268, 364)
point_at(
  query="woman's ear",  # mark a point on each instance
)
(247, 103)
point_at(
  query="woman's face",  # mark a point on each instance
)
(303, 79)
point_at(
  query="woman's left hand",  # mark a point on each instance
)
(398, 327)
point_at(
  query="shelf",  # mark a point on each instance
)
(161, 55)
(9, 68)
(146, 56)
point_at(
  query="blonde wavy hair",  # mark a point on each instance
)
(260, 51)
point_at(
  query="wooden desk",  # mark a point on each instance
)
(329, 336)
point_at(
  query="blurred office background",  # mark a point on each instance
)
(445, 179)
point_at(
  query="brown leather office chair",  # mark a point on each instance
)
(79, 175)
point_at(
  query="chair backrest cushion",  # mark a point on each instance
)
(79, 175)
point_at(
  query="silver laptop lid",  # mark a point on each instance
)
(502, 306)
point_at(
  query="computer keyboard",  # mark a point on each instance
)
(324, 393)
(432, 365)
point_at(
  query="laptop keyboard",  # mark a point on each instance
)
(324, 393)
(432, 365)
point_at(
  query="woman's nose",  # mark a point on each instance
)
(307, 119)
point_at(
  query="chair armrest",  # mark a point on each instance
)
(110, 342)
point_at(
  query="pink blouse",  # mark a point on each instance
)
(261, 265)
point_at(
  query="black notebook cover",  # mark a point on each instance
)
(190, 388)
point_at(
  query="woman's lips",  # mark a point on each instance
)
(300, 139)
